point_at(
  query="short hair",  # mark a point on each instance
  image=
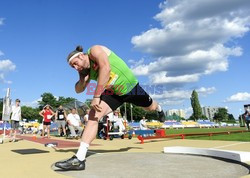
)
(18, 100)
(77, 50)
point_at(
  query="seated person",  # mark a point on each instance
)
(143, 124)
(74, 123)
(118, 121)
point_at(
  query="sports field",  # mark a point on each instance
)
(227, 137)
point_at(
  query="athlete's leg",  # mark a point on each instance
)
(44, 127)
(90, 131)
(63, 126)
(59, 127)
(77, 162)
(48, 131)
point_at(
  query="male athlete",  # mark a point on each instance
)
(116, 84)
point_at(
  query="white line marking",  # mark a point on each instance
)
(230, 145)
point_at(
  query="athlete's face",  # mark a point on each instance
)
(80, 62)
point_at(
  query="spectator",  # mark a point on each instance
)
(15, 119)
(247, 117)
(143, 124)
(74, 123)
(118, 121)
(60, 117)
(86, 117)
(47, 114)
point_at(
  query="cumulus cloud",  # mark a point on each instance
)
(238, 97)
(176, 97)
(5, 67)
(1, 21)
(191, 40)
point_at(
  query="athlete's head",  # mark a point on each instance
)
(78, 60)
(18, 102)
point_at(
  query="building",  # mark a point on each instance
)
(209, 111)
(178, 112)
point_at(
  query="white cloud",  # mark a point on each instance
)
(205, 91)
(1, 21)
(238, 97)
(1, 53)
(176, 97)
(33, 104)
(136, 63)
(191, 40)
(5, 67)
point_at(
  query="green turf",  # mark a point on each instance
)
(202, 130)
(245, 137)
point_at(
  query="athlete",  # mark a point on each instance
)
(116, 84)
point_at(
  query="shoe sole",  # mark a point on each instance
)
(68, 169)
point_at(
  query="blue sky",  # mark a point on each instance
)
(203, 45)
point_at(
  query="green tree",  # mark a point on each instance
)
(138, 112)
(204, 117)
(221, 115)
(48, 98)
(64, 101)
(231, 118)
(151, 115)
(196, 105)
(30, 113)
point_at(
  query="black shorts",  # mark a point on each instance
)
(137, 96)
(46, 123)
(14, 124)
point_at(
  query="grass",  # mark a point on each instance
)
(202, 130)
(245, 137)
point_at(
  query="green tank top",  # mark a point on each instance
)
(121, 79)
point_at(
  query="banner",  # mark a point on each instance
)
(6, 106)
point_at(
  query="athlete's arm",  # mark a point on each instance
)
(98, 55)
(41, 113)
(82, 83)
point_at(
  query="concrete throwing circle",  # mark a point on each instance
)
(155, 165)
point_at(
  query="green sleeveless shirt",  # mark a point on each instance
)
(121, 79)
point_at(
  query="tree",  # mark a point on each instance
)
(221, 115)
(151, 115)
(48, 98)
(231, 117)
(30, 113)
(64, 101)
(196, 105)
(137, 111)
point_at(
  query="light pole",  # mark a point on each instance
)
(125, 110)
(131, 112)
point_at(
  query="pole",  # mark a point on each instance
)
(131, 112)
(125, 110)
(6, 110)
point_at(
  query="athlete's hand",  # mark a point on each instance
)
(95, 104)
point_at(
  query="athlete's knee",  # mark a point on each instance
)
(152, 107)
